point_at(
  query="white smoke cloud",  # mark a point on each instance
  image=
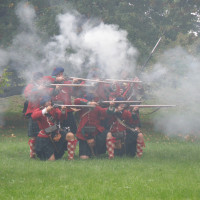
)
(4, 58)
(105, 46)
(26, 15)
(175, 80)
(24, 55)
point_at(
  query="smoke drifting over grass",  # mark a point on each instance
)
(175, 80)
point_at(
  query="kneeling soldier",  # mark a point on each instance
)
(123, 137)
(90, 133)
(52, 141)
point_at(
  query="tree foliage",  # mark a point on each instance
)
(4, 80)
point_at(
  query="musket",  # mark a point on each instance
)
(73, 106)
(105, 81)
(152, 106)
(89, 80)
(70, 85)
(123, 81)
(157, 43)
(122, 102)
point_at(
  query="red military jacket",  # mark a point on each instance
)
(125, 89)
(64, 94)
(89, 117)
(131, 88)
(116, 126)
(44, 120)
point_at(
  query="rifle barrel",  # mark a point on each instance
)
(90, 80)
(74, 106)
(124, 81)
(71, 85)
(151, 53)
(152, 106)
(121, 101)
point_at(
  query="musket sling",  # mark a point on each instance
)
(51, 129)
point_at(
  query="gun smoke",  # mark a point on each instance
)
(81, 44)
(175, 80)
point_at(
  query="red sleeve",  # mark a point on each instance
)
(80, 101)
(37, 113)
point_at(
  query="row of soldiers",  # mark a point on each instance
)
(63, 111)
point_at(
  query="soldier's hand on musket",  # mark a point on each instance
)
(63, 108)
(135, 109)
(49, 108)
(112, 103)
(75, 80)
(137, 129)
(136, 79)
(120, 108)
(75, 109)
(93, 103)
(58, 87)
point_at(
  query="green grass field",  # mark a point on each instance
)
(169, 169)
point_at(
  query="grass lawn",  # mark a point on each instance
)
(169, 169)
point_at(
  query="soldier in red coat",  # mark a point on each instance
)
(124, 136)
(33, 93)
(52, 141)
(90, 133)
(63, 95)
